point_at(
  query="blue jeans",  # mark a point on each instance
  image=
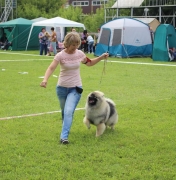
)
(90, 46)
(68, 98)
(43, 47)
(174, 54)
(53, 44)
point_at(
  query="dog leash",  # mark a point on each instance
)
(104, 70)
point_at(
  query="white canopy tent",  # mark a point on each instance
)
(58, 23)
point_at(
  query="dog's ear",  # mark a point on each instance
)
(101, 93)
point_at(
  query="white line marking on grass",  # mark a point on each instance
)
(122, 62)
(142, 63)
(162, 99)
(22, 54)
(52, 112)
(32, 115)
(25, 60)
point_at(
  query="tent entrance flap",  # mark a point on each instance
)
(115, 44)
(105, 36)
(103, 45)
(117, 37)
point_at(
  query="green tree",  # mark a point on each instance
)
(95, 21)
(34, 9)
(71, 13)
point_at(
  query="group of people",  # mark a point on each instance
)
(47, 40)
(4, 43)
(88, 42)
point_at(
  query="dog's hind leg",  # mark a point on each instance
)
(100, 129)
(86, 122)
(112, 126)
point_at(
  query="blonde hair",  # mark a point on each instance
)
(72, 38)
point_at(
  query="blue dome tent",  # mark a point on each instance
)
(124, 37)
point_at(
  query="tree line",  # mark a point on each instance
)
(33, 9)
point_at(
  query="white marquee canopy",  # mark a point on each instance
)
(56, 22)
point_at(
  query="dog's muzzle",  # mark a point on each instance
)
(92, 99)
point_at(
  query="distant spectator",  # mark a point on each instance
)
(3, 39)
(84, 44)
(4, 43)
(172, 52)
(90, 42)
(73, 30)
(43, 39)
(61, 46)
(96, 39)
(152, 34)
(53, 40)
(7, 44)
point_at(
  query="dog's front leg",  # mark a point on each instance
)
(86, 122)
(100, 129)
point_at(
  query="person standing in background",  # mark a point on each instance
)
(3, 39)
(84, 44)
(90, 42)
(73, 30)
(53, 40)
(43, 39)
(152, 34)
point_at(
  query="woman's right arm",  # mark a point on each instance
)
(48, 73)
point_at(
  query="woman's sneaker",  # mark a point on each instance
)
(64, 141)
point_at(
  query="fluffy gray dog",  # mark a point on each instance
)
(100, 111)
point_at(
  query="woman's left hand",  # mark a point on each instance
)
(104, 55)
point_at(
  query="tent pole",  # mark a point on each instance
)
(105, 15)
(131, 12)
(159, 13)
(29, 37)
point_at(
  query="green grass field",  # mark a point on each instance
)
(142, 146)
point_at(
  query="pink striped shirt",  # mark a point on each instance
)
(70, 68)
